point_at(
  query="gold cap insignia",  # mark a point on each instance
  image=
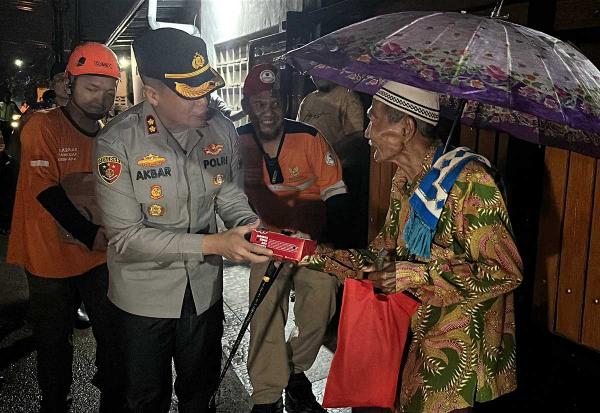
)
(151, 124)
(156, 192)
(156, 210)
(218, 179)
(151, 160)
(198, 61)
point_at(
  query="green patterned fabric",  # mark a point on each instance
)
(463, 335)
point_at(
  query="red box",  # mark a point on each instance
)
(284, 247)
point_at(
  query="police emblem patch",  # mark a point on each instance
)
(218, 179)
(213, 149)
(329, 159)
(151, 160)
(156, 192)
(109, 168)
(156, 210)
(151, 125)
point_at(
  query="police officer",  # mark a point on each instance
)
(164, 168)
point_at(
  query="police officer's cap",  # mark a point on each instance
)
(177, 59)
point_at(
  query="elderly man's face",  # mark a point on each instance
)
(387, 138)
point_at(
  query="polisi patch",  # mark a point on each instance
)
(153, 173)
(213, 162)
(109, 168)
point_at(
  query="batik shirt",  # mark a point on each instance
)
(462, 346)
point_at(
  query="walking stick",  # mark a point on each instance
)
(270, 275)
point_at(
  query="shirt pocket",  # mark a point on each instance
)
(215, 171)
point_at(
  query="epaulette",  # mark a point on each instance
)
(123, 120)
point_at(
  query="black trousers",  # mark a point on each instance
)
(53, 302)
(192, 341)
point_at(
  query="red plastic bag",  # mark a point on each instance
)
(371, 337)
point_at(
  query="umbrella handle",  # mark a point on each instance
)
(268, 279)
(461, 107)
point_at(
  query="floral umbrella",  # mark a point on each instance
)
(514, 78)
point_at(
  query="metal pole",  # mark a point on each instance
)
(268, 279)
(461, 108)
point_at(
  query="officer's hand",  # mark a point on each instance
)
(232, 245)
(384, 280)
(101, 241)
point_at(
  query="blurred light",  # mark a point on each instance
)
(18, 62)
(16, 117)
(124, 62)
(14, 125)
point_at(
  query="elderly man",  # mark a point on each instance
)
(166, 167)
(449, 242)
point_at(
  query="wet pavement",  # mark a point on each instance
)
(554, 374)
(18, 387)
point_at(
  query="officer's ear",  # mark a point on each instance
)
(152, 95)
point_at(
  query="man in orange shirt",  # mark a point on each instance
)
(55, 233)
(293, 179)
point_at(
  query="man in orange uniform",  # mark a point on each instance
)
(294, 180)
(62, 249)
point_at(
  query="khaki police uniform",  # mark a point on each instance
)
(157, 202)
(158, 199)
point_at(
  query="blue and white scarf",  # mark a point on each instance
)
(429, 198)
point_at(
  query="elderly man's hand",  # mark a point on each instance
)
(384, 280)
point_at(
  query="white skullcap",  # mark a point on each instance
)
(418, 103)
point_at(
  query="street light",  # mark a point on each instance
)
(18, 62)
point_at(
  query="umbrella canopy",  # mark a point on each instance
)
(514, 78)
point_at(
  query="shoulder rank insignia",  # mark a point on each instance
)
(109, 168)
(156, 210)
(218, 180)
(151, 160)
(151, 125)
(213, 149)
(156, 192)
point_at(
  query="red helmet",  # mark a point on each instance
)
(93, 59)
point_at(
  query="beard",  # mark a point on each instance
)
(270, 134)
